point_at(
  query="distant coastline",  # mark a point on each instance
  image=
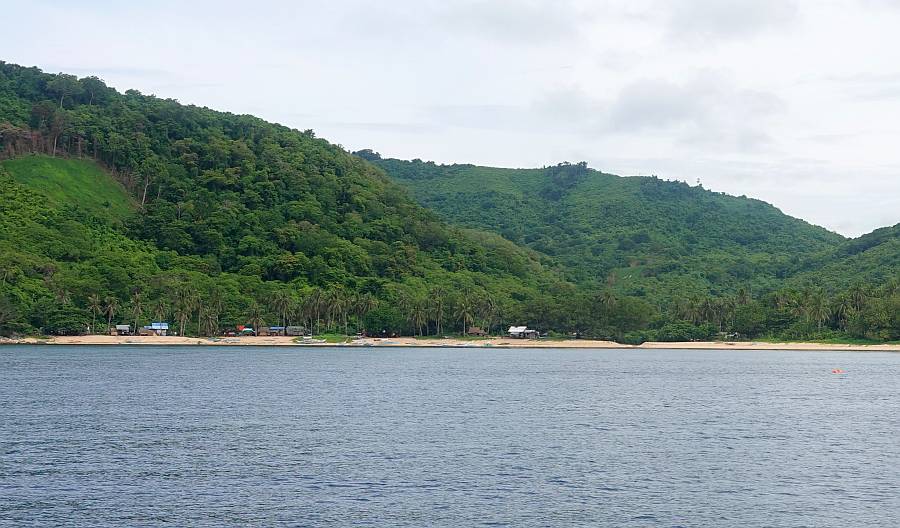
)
(496, 342)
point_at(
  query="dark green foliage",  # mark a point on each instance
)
(691, 254)
(202, 218)
(641, 236)
(125, 208)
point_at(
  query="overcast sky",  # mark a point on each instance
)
(796, 103)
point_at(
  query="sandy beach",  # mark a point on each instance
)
(494, 342)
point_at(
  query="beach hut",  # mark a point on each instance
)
(157, 329)
(477, 331)
(120, 330)
(294, 331)
(522, 332)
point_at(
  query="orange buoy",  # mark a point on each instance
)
(838, 371)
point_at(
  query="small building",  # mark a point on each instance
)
(157, 329)
(477, 331)
(522, 332)
(294, 331)
(120, 330)
(274, 331)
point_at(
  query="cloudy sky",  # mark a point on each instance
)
(796, 103)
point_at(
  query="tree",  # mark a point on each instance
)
(254, 316)
(817, 309)
(95, 305)
(10, 321)
(111, 307)
(214, 306)
(185, 301)
(137, 308)
(64, 85)
(160, 309)
(438, 297)
(94, 87)
(465, 309)
(280, 303)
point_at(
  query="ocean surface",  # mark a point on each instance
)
(210, 436)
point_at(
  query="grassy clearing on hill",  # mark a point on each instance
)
(74, 182)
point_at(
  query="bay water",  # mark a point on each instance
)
(294, 436)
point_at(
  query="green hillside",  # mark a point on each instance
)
(644, 236)
(76, 183)
(872, 259)
(235, 221)
(126, 208)
(710, 262)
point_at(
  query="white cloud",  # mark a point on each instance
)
(702, 21)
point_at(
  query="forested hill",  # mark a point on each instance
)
(181, 213)
(642, 234)
(872, 259)
(126, 208)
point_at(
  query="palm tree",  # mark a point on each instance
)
(184, 306)
(818, 309)
(95, 305)
(160, 309)
(416, 308)
(362, 305)
(858, 297)
(137, 308)
(337, 303)
(438, 297)
(214, 308)
(608, 299)
(111, 306)
(254, 316)
(743, 296)
(280, 304)
(464, 309)
(63, 295)
(314, 307)
(488, 310)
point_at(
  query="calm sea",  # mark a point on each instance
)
(195, 436)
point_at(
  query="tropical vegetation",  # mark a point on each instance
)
(127, 208)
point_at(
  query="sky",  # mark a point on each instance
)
(793, 102)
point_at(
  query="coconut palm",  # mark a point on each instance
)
(214, 307)
(254, 316)
(362, 305)
(137, 307)
(465, 309)
(857, 297)
(416, 309)
(817, 309)
(438, 301)
(280, 303)
(185, 299)
(160, 309)
(315, 305)
(489, 310)
(111, 306)
(95, 305)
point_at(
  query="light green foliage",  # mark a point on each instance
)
(707, 262)
(125, 208)
(77, 184)
(642, 236)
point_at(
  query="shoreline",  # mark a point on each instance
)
(411, 342)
